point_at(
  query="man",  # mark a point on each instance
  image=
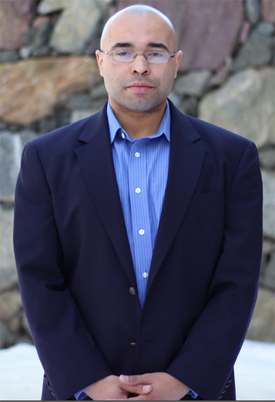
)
(138, 235)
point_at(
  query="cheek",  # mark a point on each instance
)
(115, 74)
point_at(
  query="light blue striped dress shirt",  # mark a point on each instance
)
(141, 168)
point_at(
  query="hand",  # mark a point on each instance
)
(163, 386)
(111, 387)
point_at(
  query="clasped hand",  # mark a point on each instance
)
(151, 386)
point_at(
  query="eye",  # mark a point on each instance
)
(123, 53)
(155, 54)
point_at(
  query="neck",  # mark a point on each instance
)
(139, 124)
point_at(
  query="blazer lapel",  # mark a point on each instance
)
(186, 160)
(96, 162)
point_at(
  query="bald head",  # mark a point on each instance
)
(141, 11)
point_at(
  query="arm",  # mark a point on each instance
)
(66, 348)
(206, 359)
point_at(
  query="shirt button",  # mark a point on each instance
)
(137, 154)
(141, 232)
(145, 275)
(123, 136)
(132, 291)
(137, 190)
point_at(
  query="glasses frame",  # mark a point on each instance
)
(137, 53)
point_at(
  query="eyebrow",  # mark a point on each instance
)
(158, 45)
(122, 44)
(128, 44)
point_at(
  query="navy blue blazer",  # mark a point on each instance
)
(76, 273)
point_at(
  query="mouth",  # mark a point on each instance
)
(140, 87)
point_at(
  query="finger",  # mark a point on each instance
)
(134, 379)
(140, 389)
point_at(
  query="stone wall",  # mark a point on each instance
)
(49, 78)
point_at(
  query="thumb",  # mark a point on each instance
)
(134, 384)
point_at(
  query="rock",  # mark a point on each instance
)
(82, 114)
(265, 29)
(268, 280)
(193, 83)
(15, 18)
(267, 157)
(10, 157)
(176, 99)
(244, 105)
(50, 6)
(78, 101)
(8, 274)
(252, 8)
(37, 37)
(268, 247)
(244, 32)
(189, 106)
(42, 51)
(99, 91)
(6, 338)
(30, 89)
(15, 324)
(10, 305)
(256, 52)
(8, 56)
(78, 24)
(25, 52)
(207, 30)
(27, 136)
(268, 204)
(219, 78)
(263, 320)
(268, 10)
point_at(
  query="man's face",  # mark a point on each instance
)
(138, 86)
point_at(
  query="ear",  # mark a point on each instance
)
(99, 59)
(178, 58)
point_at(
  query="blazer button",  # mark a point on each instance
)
(133, 344)
(132, 291)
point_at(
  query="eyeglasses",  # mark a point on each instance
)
(128, 56)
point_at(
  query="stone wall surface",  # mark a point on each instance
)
(49, 78)
(29, 89)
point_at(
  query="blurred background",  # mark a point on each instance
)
(49, 78)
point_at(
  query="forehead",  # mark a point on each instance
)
(138, 30)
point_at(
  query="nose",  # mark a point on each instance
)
(140, 65)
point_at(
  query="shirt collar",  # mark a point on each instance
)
(115, 127)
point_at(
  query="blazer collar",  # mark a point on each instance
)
(96, 162)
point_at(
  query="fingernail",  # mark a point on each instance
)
(125, 377)
(146, 387)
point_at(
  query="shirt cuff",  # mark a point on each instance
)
(79, 396)
(193, 394)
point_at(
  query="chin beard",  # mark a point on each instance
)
(140, 106)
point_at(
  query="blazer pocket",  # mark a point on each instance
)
(208, 199)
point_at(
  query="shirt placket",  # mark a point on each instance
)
(140, 215)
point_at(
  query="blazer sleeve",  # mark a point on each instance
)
(68, 353)
(207, 357)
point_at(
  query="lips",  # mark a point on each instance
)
(140, 87)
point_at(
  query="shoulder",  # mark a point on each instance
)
(204, 130)
(68, 137)
(213, 139)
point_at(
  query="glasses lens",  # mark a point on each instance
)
(124, 56)
(157, 57)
